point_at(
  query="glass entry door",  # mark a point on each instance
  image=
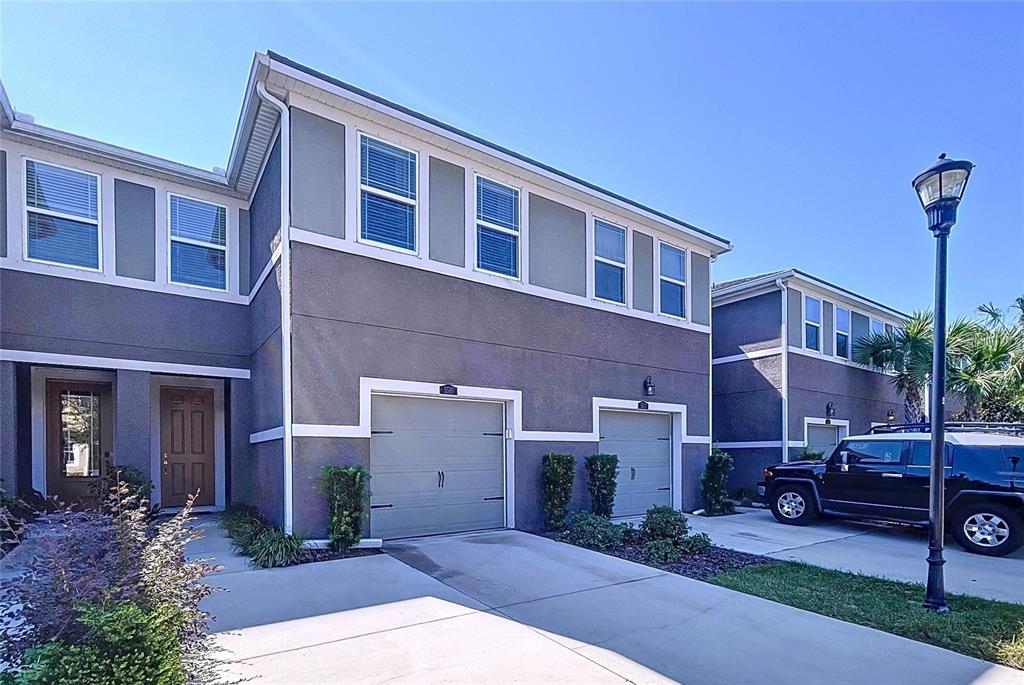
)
(79, 430)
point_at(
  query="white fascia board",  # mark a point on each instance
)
(6, 108)
(241, 140)
(837, 295)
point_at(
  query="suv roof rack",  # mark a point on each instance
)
(1000, 427)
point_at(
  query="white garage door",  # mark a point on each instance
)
(822, 438)
(643, 443)
(437, 466)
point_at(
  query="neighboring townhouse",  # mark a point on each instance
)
(784, 378)
(362, 285)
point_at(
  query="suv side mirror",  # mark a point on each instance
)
(844, 460)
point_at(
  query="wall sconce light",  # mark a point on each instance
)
(890, 417)
(830, 412)
(648, 387)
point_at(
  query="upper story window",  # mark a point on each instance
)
(62, 210)
(198, 243)
(387, 194)
(672, 280)
(812, 323)
(877, 327)
(609, 262)
(842, 332)
(497, 227)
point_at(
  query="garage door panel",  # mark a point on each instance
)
(471, 514)
(644, 446)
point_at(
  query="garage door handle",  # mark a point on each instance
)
(438, 479)
(632, 473)
(442, 479)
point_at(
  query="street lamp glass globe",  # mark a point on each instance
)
(945, 180)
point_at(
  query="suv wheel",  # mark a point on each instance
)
(793, 505)
(990, 529)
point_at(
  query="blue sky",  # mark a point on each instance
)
(792, 129)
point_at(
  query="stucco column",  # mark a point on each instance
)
(8, 429)
(132, 421)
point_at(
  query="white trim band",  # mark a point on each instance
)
(127, 364)
(755, 354)
(752, 444)
(268, 435)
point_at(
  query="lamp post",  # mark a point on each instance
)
(940, 189)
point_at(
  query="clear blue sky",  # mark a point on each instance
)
(792, 129)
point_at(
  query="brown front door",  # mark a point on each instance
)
(79, 431)
(186, 446)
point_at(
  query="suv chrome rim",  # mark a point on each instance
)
(986, 530)
(791, 505)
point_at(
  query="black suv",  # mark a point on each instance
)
(884, 476)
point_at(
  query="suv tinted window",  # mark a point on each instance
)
(921, 453)
(876, 451)
(977, 459)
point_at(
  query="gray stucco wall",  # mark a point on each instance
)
(60, 315)
(643, 271)
(261, 482)
(8, 429)
(3, 203)
(265, 362)
(244, 245)
(135, 230)
(558, 246)
(238, 401)
(308, 456)
(317, 174)
(700, 283)
(795, 317)
(265, 215)
(560, 355)
(747, 400)
(132, 445)
(447, 212)
(859, 396)
(748, 467)
(747, 325)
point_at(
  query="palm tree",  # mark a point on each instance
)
(907, 353)
(987, 368)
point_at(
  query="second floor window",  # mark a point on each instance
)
(609, 262)
(198, 243)
(497, 227)
(842, 333)
(62, 224)
(387, 194)
(672, 277)
(877, 327)
(812, 323)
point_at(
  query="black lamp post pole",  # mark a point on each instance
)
(935, 594)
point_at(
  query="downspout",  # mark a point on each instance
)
(784, 345)
(711, 356)
(286, 297)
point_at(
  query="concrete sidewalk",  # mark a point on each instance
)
(506, 606)
(887, 551)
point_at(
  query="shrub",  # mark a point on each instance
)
(807, 454)
(272, 548)
(661, 552)
(121, 485)
(664, 523)
(695, 544)
(712, 484)
(601, 472)
(243, 524)
(557, 474)
(595, 532)
(345, 490)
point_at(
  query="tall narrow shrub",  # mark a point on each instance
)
(712, 484)
(558, 472)
(601, 472)
(345, 490)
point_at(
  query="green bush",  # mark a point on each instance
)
(661, 552)
(712, 484)
(557, 474)
(807, 454)
(127, 644)
(346, 493)
(695, 544)
(601, 472)
(243, 524)
(592, 531)
(121, 483)
(273, 548)
(664, 523)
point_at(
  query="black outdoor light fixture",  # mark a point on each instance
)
(890, 417)
(830, 413)
(940, 189)
(648, 387)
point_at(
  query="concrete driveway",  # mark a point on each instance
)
(507, 606)
(887, 551)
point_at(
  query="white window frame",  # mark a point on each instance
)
(879, 323)
(847, 332)
(683, 283)
(412, 202)
(98, 221)
(816, 324)
(171, 238)
(624, 265)
(477, 223)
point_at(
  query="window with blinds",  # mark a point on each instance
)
(387, 194)
(198, 243)
(497, 228)
(609, 262)
(672, 277)
(62, 210)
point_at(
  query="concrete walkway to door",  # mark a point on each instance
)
(507, 606)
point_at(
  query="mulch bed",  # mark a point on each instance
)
(309, 556)
(699, 566)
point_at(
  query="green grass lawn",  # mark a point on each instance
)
(993, 631)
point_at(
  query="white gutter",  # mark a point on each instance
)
(286, 299)
(784, 344)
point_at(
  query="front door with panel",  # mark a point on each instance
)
(79, 432)
(871, 479)
(187, 458)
